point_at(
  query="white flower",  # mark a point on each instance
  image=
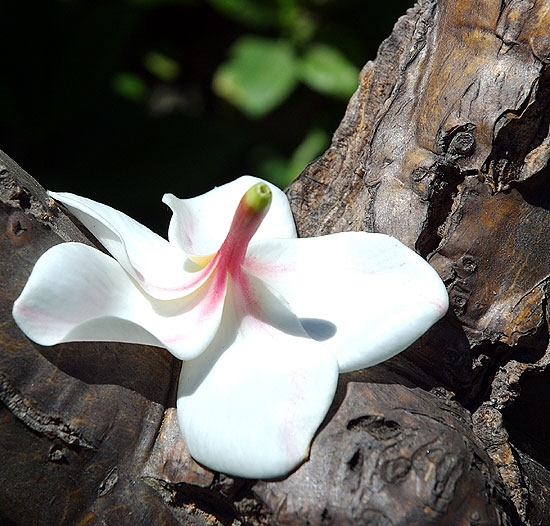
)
(263, 321)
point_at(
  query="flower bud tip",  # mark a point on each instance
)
(258, 197)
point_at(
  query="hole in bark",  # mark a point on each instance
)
(18, 228)
(489, 357)
(459, 141)
(356, 461)
(448, 177)
(536, 190)
(375, 426)
(521, 131)
(526, 419)
(396, 469)
(24, 199)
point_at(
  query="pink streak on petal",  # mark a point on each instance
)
(266, 267)
(208, 305)
(216, 295)
(39, 315)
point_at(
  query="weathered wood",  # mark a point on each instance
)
(445, 145)
(391, 455)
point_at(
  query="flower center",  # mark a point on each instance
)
(251, 211)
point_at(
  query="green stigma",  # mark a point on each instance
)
(258, 197)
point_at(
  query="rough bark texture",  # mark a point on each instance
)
(445, 146)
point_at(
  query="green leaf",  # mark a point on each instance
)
(324, 69)
(163, 67)
(259, 75)
(130, 86)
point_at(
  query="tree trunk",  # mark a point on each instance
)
(445, 146)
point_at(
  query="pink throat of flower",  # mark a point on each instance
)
(250, 213)
(228, 261)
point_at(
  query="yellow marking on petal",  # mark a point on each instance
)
(202, 260)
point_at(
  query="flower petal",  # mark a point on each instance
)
(161, 269)
(259, 300)
(77, 293)
(251, 403)
(200, 224)
(376, 294)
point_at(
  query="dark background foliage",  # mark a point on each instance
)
(122, 101)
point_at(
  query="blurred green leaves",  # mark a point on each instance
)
(163, 67)
(130, 86)
(124, 100)
(261, 73)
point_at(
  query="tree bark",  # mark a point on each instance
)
(445, 146)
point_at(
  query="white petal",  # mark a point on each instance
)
(162, 270)
(268, 307)
(70, 285)
(367, 296)
(251, 403)
(200, 224)
(77, 293)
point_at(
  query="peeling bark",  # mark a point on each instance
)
(445, 146)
